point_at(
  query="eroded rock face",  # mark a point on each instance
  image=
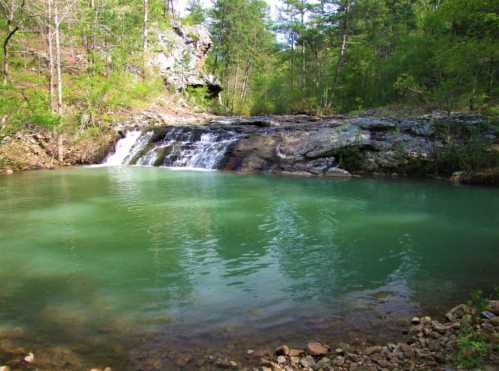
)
(363, 145)
(180, 53)
(310, 146)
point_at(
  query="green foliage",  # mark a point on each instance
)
(196, 13)
(471, 157)
(26, 106)
(478, 301)
(199, 97)
(442, 55)
(99, 94)
(472, 347)
(243, 43)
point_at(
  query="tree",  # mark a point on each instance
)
(242, 43)
(13, 12)
(197, 13)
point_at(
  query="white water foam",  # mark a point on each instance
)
(123, 149)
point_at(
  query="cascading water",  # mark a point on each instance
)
(123, 149)
(178, 147)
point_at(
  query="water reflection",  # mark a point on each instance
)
(154, 250)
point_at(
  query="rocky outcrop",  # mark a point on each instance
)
(179, 54)
(362, 145)
(334, 146)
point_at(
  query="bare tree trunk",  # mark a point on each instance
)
(12, 28)
(168, 8)
(5, 67)
(247, 73)
(146, 35)
(344, 40)
(146, 31)
(58, 59)
(50, 54)
(60, 108)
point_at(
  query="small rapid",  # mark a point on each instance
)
(175, 147)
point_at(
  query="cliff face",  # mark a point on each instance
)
(180, 54)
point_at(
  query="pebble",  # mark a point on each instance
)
(323, 363)
(296, 352)
(415, 321)
(9, 172)
(30, 358)
(339, 361)
(307, 361)
(487, 315)
(281, 359)
(317, 349)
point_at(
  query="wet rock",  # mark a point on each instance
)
(283, 350)
(337, 172)
(317, 349)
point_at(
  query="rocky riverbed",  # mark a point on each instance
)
(467, 337)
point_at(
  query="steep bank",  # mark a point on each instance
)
(462, 145)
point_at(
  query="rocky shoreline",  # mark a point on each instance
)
(468, 338)
(433, 345)
(461, 148)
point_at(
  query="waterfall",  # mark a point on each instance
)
(127, 148)
(123, 148)
(176, 147)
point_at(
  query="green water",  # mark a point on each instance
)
(100, 252)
